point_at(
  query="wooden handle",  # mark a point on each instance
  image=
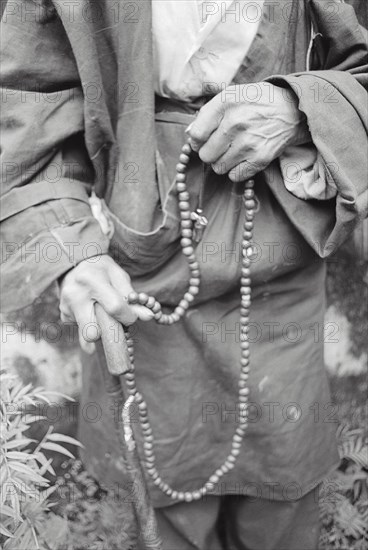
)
(114, 342)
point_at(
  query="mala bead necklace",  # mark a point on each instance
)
(192, 225)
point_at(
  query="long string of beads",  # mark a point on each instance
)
(168, 319)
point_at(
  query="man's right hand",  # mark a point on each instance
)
(102, 281)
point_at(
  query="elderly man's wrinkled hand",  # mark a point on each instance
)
(245, 127)
(101, 281)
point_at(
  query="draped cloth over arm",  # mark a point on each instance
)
(335, 102)
(46, 222)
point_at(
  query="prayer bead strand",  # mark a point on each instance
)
(179, 311)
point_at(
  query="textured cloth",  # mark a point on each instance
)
(199, 46)
(93, 121)
(241, 523)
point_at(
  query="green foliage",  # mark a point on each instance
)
(26, 519)
(99, 519)
(344, 497)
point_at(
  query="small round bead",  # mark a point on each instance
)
(224, 469)
(244, 391)
(238, 438)
(180, 495)
(194, 281)
(197, 495)
(184, 159)
(184, 196)
(143, 298)
(247, 235)
(194, 266)
(187, 233)
(186, 224)
(188, 497)
(249, 184)
(175, 317)
(156, 307)
(180, 183)
(184, 303)
(151, 302)
(244, 344)
(133, 297)
(248, 226)
(188, 297)
(193, 290)
(179, 311)
(214, 479)
(188, 250)
(186, 149)
(245, 290)
(244, 361)
(191, 258)
(185, 242)
(229, 464)
(174, 495)
(184, 206)
(245, 281)
(185, 215)
(249, 215)
(249, 193)
(181, 168)
(194, 272)
(235, 451)
(158, 315)
(157, 481)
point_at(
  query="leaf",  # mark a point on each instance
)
(18, 455)
(18, 443)
(57, 448)
(6, 510)
(64, 439)
(4, 531)
(46, 464)
(27, 471)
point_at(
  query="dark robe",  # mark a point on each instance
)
(80, 111)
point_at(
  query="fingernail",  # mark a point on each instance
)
(89, 347)
(189, 128)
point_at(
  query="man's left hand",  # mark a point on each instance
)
(245, 127)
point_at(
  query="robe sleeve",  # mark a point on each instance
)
(334, 101)
(46, 222)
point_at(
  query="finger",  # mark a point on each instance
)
(237, 152)
(114, 303)
(216, 146)
(88, 329)
(207, 121)
(121, 283)
(142, 312)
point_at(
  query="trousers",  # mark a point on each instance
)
(241, 523)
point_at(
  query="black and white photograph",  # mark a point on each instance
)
(184, 275)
